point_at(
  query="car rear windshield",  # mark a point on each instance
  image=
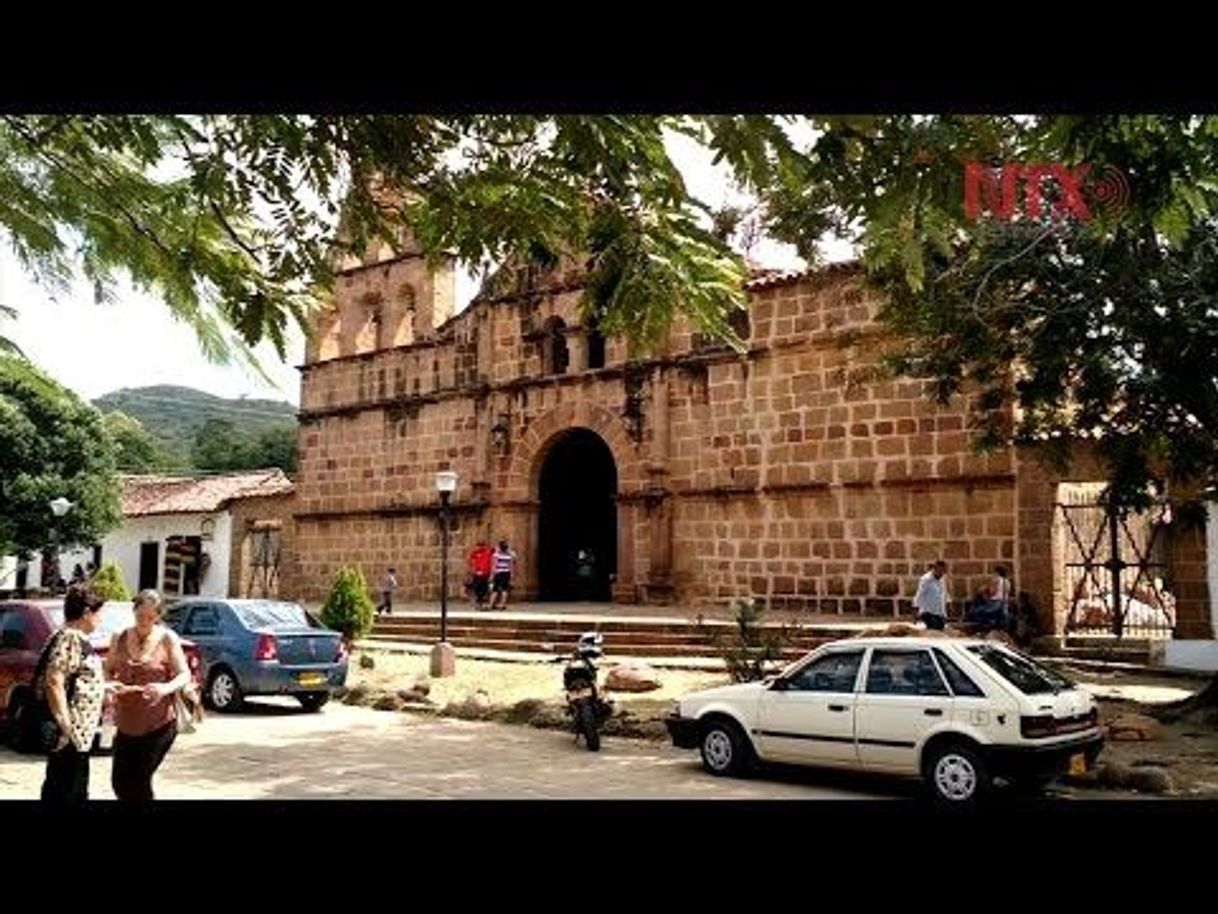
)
(274, 615)
(1025, 674)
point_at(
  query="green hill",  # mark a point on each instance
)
(174, 414)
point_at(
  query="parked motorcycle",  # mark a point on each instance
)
(587, 709)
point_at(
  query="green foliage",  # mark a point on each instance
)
(136, 450)
(52, 445)
(1058, 328)
(208, 211)
(220, 445)
(1106, 326)
(107, 582)
(349, 607)
(174, 415)
(753, 649)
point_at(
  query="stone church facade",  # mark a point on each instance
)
(793, 473)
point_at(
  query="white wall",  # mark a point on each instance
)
(122, 546)
(67, 561)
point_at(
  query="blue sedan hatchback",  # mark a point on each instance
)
(261, 647)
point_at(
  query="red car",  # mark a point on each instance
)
(25, 628)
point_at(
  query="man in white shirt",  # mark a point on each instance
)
(930, 602)
(389, 584)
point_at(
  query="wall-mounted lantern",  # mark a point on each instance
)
(501, 434)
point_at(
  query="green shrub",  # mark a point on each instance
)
(107, 582)
(349, 608)
(751, 650)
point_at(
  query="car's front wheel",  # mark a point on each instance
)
(725, 749)
(956, 775)
(313, 701)
(223, 691)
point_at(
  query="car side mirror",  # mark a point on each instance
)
(779, 684)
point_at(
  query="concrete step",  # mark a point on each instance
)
(430, 630)
(524, 645)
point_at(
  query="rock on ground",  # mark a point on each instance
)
(638, 677)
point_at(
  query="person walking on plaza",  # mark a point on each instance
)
(389, 584)
(930, 602)
(70, 679)
(481, 561)
(504, 563)
(148, 663)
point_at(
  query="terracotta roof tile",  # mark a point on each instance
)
(142, 495)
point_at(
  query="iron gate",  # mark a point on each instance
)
(263, 578)
(1114, 572)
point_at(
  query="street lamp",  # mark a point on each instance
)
(59, 507)
(443, 657)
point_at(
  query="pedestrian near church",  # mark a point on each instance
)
(504, 564)
(70, 680)
(148, 662)
(930, 601)
(389, 583)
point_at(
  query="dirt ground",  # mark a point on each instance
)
(1188, 748)
(514, 692)
(531, 693)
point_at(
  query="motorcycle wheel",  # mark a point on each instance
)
(585, 720)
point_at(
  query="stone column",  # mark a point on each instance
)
(659, 504)
(1188, 573)
(1035, 496)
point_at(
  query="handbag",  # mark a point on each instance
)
(188, 709)
(39, 729)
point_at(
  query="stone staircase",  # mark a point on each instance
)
(555, 634)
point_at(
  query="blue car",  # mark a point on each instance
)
(261, 647)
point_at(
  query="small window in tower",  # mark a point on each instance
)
(596, 348)
(556, 357)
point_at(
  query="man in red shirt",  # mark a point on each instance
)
(480, 560)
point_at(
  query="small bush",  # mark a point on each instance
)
(751, 650)
(107, 582)
(349, 608)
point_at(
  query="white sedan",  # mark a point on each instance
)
(959, 713)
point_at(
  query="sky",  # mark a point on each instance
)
(135, 342)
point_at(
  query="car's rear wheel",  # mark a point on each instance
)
(956, 775)
(725, 749)
(313, 701)
(223, 692)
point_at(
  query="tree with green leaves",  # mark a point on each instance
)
(349, 608)
(136, 450)
(1097, 320)
(107, 582)
(220, 445)
(52, 445)
(1102, 325)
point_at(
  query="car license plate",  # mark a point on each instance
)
(309, 679)
(1078, 763)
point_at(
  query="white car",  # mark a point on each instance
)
(959, 713)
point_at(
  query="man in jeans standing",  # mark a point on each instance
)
(930, 602)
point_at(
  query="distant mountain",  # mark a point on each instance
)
(174, 414)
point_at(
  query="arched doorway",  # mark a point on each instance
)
(577, 491)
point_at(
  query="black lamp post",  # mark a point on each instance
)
(443, 658)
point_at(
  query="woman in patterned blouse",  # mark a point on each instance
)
(74, 689)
